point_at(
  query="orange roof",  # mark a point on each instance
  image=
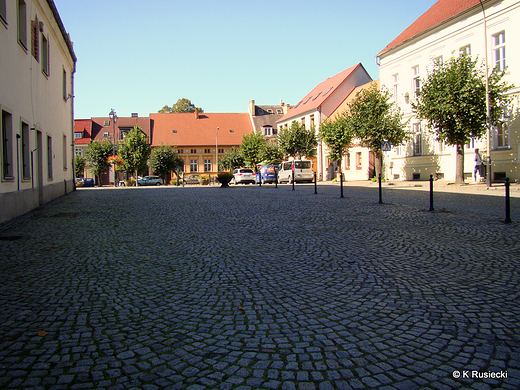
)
(441, 11)
(83, 125)
(319, 94)
(199, 129)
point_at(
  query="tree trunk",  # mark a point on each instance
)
(379, 163)
(459, 174)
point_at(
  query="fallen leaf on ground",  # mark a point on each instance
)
(241, 308)
(42, 333)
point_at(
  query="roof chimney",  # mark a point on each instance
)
(196, 113)
(252, 110)
(135, 115)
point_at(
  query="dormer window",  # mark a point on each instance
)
(78, 135)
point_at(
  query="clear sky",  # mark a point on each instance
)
(137, 56)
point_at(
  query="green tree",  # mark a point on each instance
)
(182, 105)
(135, 151)
(297, 141)
(231, 160)
(79, 165)
(252, 149)
(453, 102)
(96, 155)
(375, 118)
(272, 155)
(337, 135)
(165, 159)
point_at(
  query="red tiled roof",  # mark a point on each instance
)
(319, 94)
(122, 122)
(184, 129)
(441, 11)
(83, 125)
(81, 141)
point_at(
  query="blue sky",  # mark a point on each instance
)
(136, 56)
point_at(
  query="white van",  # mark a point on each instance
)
(302, 171)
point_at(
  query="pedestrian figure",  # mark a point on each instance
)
(478, 163)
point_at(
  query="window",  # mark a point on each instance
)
(106, 123)
(35, 40)
(268, 130)
(78, 135)
(105, 134)
(465, 50)
(395, 79)
(278, 111)
(416, 82)
(78, 151)
(193, 165)
(64, 86)
(3, 14)
(207, 151)
(347, 161)
(64, 152)
(45, 56)
(180, 151)
(499, 50)
(49, 157)
(359, 160)
(503, 133)
(207, 165)
(417, 139)
(22, 23)
(312, 120)
(221, 150)
(193, 151)
(438, 60)
(7, 145)
(26, 173)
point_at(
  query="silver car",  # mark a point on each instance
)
(243, 175)
(150, 181)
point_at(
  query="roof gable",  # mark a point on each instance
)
(438, 13)
(320, 93)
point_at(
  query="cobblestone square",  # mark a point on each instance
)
(258, 288)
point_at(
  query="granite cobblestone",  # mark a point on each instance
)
(258, 288)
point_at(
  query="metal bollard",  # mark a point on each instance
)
(508, 202)
(293, 179)
(315, 184)
(275, 178)
(431, 194)
(380, 190)
(341, 185)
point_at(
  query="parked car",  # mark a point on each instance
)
(302, 171)
(84, 182)
(191, 179)
(243, 175)
(150, 181)
(267, 174)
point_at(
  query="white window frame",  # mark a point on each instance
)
(7, 145)
(503, 129)
(499, 50)
(417, 146)
(22, 23)
(25, 147)
(395, 79)
(207, 165)
(416, 80)
(194, 165)
(465, 50)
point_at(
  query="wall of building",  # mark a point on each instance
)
(36, 110)
(444, 42)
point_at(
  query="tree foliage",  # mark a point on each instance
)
(337, 135)
(252, 149)
(297, 141)
(272, 154)
(96, 155)
(135, 150)
(79, 165)
(231, 160)
(373, 117)
(182, 105)
(165, 159)
(453, 102)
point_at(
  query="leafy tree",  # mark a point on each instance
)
(374, 118)
(231, 160)
(96, 155)
(165, 159)
(182, 105)
(79, 165)
(135, 150)
(272, 155)
(453, 101)
(297, 141)
(252, 149)
(337, 135)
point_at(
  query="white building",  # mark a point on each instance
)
(322, 102)
(37, 65)
(448, 28)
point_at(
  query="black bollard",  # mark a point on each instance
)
(315, 184)
(508, 202)
(275, 178)
(341, 183)
(431, 193)
(293, 179)
(380, 190)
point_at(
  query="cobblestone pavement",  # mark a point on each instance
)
(257, 288)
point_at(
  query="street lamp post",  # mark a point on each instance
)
(488, 115)
(113, 117)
